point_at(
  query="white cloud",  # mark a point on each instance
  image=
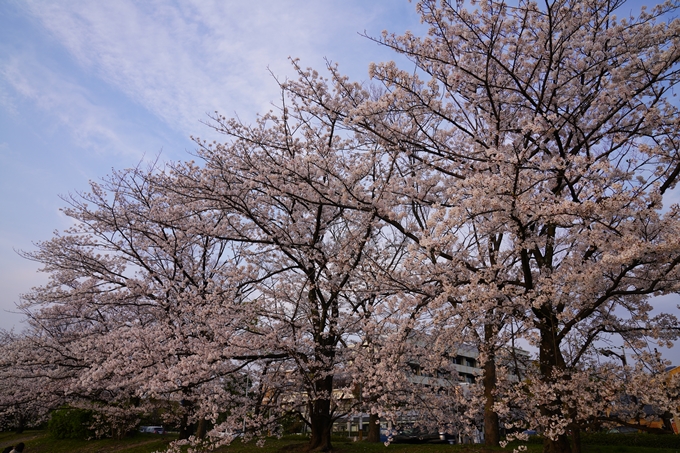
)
(183, 60)
(68, 102)
(69, 92)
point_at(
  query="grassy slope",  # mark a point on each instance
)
(41, 442)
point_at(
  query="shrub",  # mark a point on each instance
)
(70, 423)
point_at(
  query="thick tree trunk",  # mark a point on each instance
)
(559, 445)
(201, 428)
(184, 428)
(492, 435)
(551, 364)
(373, 428)
(667, 419)
(21, 424)
(320, 416)
(575, 439)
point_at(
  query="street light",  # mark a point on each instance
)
(622, 357)
(609, 353)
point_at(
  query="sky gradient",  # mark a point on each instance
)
(90, 86)
(87, 86)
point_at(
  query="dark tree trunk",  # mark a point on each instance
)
(21, 424)
(373, 428)
(321, 422)
(575, 438)
(201, 428)
(492, 436)
(667, 419)
(551, 364)
(559, 445)
(184, 428)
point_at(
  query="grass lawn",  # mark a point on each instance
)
(291, 444)
(41, 442)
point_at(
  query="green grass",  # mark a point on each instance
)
(291, 444)
(42, 442)
(625, 449)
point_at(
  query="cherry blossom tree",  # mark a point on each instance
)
(404, 197)
(180, 285)
(315, 260)
(141, 303)
(24, 401)
(549, 143)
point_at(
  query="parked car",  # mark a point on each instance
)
(152, 429)
(622, 430)
(415, 436)
(231, 434)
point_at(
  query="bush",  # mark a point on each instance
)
(70, 423)
(291, 424)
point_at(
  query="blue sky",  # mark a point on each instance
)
(87, 86)
(90, 86)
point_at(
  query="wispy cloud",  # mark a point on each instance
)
(184, 59)
(91, 85)
(67, 101)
